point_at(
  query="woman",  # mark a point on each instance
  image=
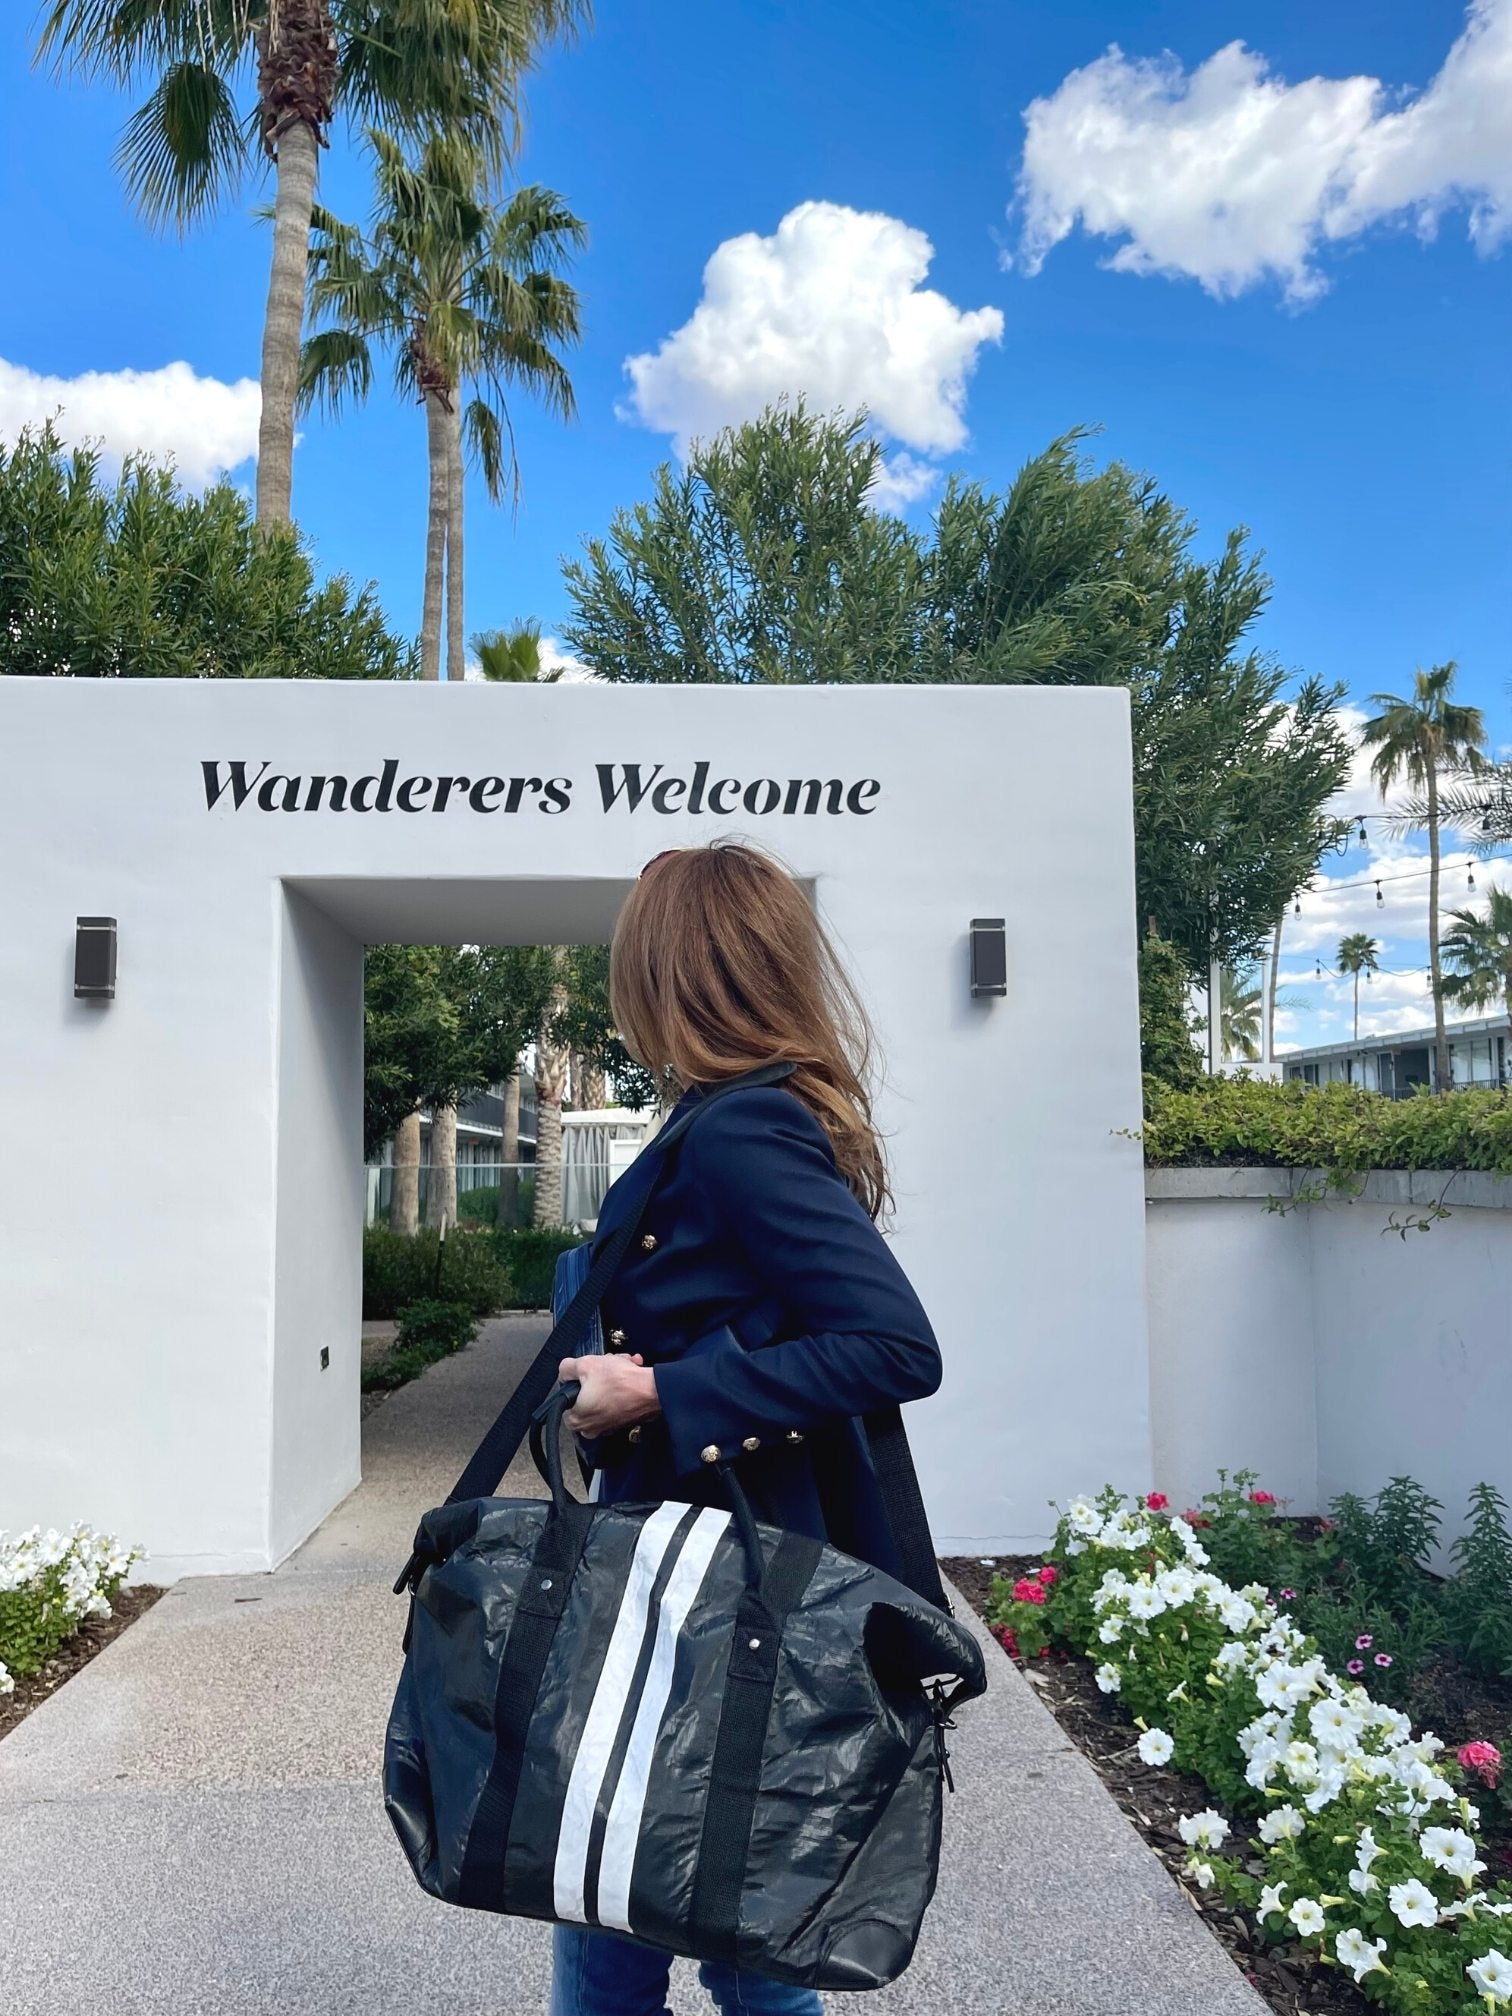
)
(761, 1312)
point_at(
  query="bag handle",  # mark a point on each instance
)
(546, 1450)
(496, 1451)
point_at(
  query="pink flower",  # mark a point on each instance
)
(1355, 1666)
(1195, 1518)
(1157, 1501)
(1484, 1759)
(1004, 1635)
(1262, 1497)
(1025, 1591)
(1383, 1658)
(1049, 1576)
(1288, 1595)
(1364, 1642)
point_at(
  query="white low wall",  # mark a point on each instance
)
(1321, 1347)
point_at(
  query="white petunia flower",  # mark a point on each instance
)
(1155, 1746)
(1334, 1723)
(1282, 1823)
(1492, 1976)
(1270, 1905)
(1206, 1829)
(1413, 1903)
(1450, 1849)
(1283, 1686)
(1110, 1630)
(1360, 1955)
(1107, 1678)
(1307, 1915)
(1146, 1602)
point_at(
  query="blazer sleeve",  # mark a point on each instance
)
(863, 1339)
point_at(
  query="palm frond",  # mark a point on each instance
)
(491, 437)
(185, 148)
(126, 39)
(334, 366)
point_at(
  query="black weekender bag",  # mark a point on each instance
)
(671, 1721)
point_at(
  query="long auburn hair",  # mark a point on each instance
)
(718, 965)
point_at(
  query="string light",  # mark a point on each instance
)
(1327, 886)
(1471, 873)
(1380, 899)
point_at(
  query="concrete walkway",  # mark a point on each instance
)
(194, 1824)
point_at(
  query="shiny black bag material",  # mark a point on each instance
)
(668, 1720)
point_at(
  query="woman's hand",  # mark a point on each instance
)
(616, 1392)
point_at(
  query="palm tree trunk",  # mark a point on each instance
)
(1270, 990)
(441, 1204)
(298, 70)
(509, 1153)
(438, 447)
(404, 1201)
(456, 631)
(283, 320)
(1440, 1040)
(1357, 1004)
(589, 1091)
(551, 1078)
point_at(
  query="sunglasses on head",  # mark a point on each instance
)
(665, 855)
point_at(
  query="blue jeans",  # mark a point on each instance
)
(601, 1974)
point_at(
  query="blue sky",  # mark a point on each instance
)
(1305, 331)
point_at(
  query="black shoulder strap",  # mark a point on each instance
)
(496, 1451)
(892, 1459)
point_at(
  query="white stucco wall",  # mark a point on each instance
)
(181, 1206)
(1323, 1348)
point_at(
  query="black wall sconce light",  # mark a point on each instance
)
(989, 956)
(95, 958)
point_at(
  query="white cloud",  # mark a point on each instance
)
(569, 670)
(1230, 176)
(206, 426)
(831, 306)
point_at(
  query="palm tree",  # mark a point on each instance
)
(463, 294)
(1358, 953)
(414, 65)
(1420, 738)
(1478, 951)
(1239, 1010)
(511, 657)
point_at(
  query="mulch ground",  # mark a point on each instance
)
(86, 1643)
(1154, 1800)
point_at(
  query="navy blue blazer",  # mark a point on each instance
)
(774, 1314)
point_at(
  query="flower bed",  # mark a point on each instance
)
(50, 1584)
(1352, 1843)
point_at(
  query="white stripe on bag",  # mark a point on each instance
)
(623, 1832)
(606, 1712)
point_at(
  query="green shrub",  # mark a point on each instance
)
(480, 1206)
(1165, 1041)
(1478, 1596)
(399, 1268)
(428, 1331)
(448, 1325)
(1330, 1127)
(529, 1257)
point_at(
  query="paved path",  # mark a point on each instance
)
(194, 1823)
